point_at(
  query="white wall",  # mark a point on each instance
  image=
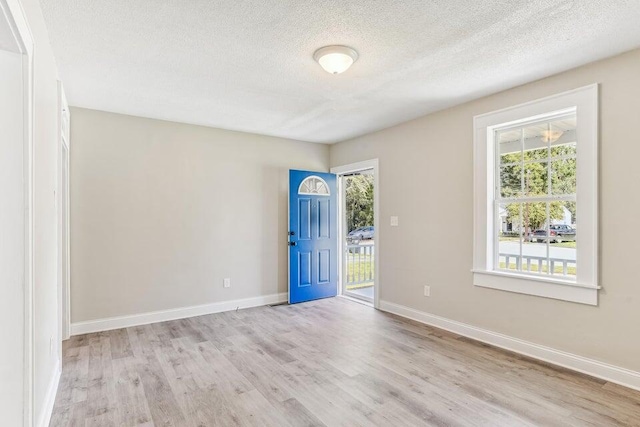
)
(426, 179)
(45, 306)
(45, 167)
(161, 212)
(12, 226)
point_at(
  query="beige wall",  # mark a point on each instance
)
(426, 179)
(161, 212)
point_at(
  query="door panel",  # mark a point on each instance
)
(313, 236)
(304, 268)
(324, 266)
(324, 222)
(304, 219)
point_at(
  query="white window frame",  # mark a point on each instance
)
(584, 289)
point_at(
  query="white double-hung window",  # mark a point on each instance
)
(535, 198)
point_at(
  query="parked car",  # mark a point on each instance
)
(557, 234)
(361, 233)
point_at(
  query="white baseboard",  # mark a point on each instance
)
(110, 323)
(574, 362)
(47, 410)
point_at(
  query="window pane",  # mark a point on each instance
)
(535, 264)
(535, 144)
(508, 262)
(563, 238)
(510, 146)
(314, 185)
(534, 218)
(536, 179)
(563, 150)
(535, 250)
(511, 181)
(562, 136)
(509, 221)
(510, 233)
(563, 177)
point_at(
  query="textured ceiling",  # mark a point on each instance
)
(247, 65)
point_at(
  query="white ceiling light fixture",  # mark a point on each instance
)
(335, 59)
(551, 135)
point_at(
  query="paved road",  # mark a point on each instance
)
(537, 249)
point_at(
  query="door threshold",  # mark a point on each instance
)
(358, 300)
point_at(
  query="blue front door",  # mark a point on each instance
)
(313, 236)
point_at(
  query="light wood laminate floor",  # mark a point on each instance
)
(331, 362)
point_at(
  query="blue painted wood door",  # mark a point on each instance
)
(313, 236)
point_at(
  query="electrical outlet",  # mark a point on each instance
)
(226, 282)
(394, 221)
(427, 291)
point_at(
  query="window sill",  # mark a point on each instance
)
(538, 286)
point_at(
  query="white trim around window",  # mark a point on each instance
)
(584, 288)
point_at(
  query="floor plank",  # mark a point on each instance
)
(325, 363)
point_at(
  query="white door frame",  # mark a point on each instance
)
(347, 169)
(64, 253)
(12, 13)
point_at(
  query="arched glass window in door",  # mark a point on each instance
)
(314, 185)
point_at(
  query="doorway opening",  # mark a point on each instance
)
(359, 240)
(359, 235)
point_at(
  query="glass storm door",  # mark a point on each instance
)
(313, 236)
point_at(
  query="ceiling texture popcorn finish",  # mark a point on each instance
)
(249, 66)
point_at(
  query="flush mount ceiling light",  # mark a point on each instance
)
(551, 135)
(335, 59)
